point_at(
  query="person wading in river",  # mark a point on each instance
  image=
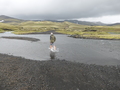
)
(52, 40)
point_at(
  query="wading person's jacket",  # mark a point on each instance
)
(52, 39)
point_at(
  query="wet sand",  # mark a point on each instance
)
(17, 73)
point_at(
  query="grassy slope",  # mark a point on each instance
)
(7, 27)
(30, 27)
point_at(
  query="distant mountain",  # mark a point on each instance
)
(3, 17)
(114, 24)
(7, 19)
(86, 22)
(81, 22)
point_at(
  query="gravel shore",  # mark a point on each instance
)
(17, 73)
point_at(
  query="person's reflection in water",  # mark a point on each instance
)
(52, 55)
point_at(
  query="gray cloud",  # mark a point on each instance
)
(59, 9)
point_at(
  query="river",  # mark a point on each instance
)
(89, 51)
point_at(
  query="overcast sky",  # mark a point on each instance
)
(106, 11)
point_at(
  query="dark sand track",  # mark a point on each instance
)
(21, 38)
(17, 73)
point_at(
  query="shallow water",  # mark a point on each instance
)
(102, 52)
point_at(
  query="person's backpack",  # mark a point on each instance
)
(54, 38)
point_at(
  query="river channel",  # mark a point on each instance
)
(89, 51)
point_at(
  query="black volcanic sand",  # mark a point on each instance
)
(17, 73)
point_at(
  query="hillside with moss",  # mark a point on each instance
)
(75, 30)
(7, 27)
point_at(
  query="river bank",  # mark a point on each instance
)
(97, 37)
(17, 73)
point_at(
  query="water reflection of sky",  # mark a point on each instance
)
(78, 50)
